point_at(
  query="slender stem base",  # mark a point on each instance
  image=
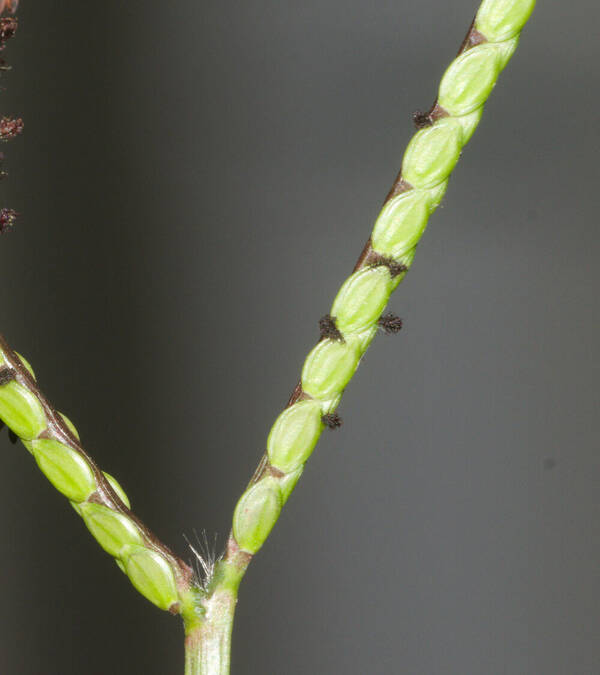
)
(208, 645)
(208, 636)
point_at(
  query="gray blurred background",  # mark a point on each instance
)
(195, 181)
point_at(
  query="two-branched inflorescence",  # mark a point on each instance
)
(346, 332)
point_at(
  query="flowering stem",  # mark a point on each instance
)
(208, 633)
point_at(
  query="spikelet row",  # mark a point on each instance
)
(428, 161)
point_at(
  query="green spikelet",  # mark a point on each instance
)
(151, 575)
(256, 513)
(294, 435)
(500, 20)
(66, 469)
(361, 300)
(112, 530)
(21, 411)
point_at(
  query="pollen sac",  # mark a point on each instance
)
(256, 513)
(21, 411)
(7, 216)
(407, 260)
(469, 80)
(294, 435)
(500, 20)
(328, 368)
(432, 153)
(112, 530)
(401, 223)
(66, 469)
(151, 575)
(361, 299)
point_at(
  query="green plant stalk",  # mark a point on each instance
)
(356, 313)
(208, 637)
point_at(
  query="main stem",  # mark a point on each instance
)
(208, 624)
(208, 645)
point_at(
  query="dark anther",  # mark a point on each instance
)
(8, 27)
(421, 119)
(328, 329)
(9, 127)
(393, 266)
(6, 375)
(390, 323)
(7, 220)
(332, 420)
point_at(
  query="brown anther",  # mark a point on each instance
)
(421, 119)
(10, 127)
(328, 328)
(8, 27)
(6, 375)
(395, 268)
(7, 220)
(390, 323)
(332, 420)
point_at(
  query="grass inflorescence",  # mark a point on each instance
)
(206, 597)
